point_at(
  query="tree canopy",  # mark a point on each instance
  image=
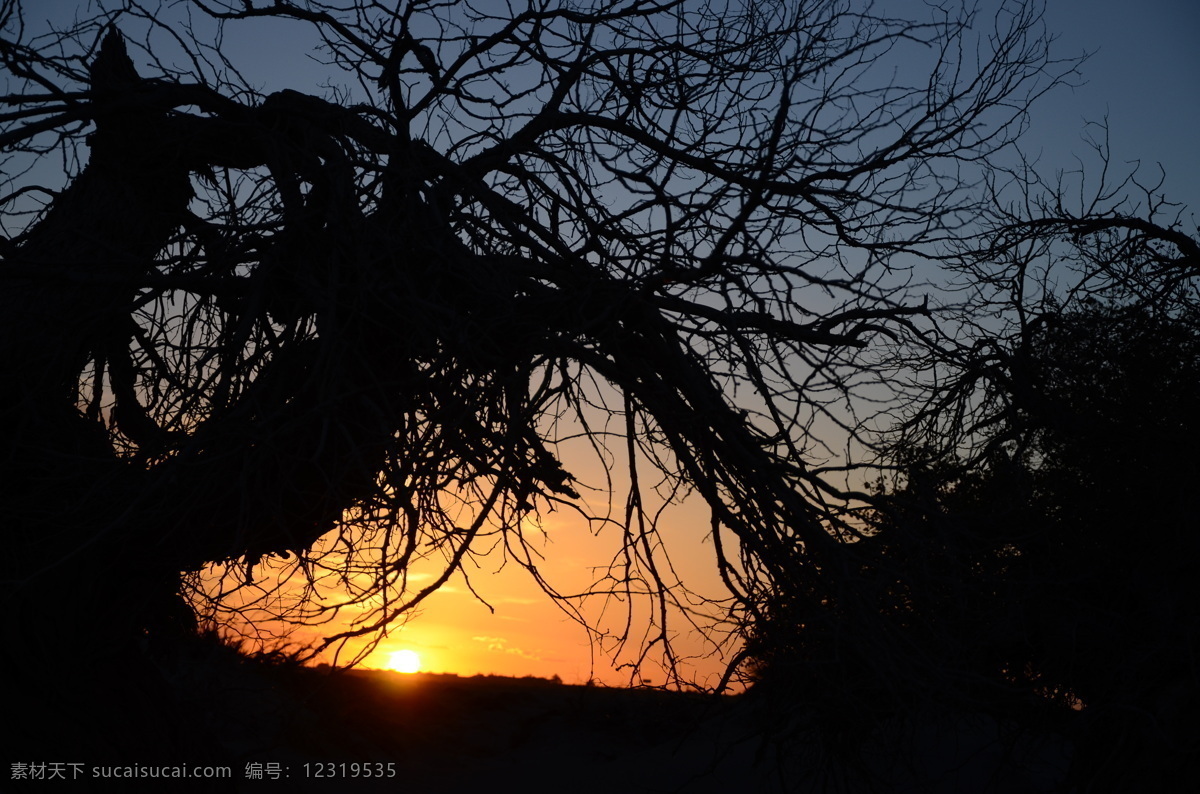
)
(373, 312)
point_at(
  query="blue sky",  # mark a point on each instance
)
(1144, 75)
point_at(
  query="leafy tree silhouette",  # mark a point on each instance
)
(1052, 579)
(1104, 599)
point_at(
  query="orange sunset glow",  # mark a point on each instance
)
(498, 621)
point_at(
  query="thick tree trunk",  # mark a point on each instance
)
(69, 291)
(97, 542)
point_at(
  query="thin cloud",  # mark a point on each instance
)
(501, 645)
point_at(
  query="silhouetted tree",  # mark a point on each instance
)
(1057, 569)
(236, 324)
(1034, 544)
(1042, 533)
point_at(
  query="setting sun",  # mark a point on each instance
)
(404, 661)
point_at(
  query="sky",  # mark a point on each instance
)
(1143, 77)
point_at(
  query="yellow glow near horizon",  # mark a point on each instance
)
(405, 661)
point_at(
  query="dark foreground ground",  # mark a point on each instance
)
(284, 728)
